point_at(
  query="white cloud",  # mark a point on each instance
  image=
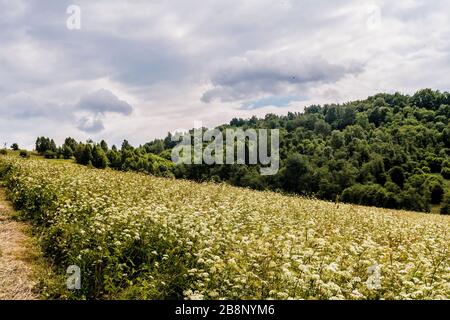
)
(167, 58)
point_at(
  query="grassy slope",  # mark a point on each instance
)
(217, 241)
(434, 208)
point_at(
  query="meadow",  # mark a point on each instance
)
(136, 236)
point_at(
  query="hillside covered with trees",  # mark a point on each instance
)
(390, 150)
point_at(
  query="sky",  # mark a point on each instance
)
(137, 69)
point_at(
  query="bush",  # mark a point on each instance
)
(445, 172)
(397, 176)
(412, 200)
(435, 187)
(434, 163)
(446, 208)
(3, 152)
(369, 195)
(67, 151)
(99, 159)
(50, 154)
(426, 170)
(24, 154)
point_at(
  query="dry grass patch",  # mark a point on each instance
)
(17, 253)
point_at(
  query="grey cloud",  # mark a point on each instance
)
(103, 101)
(258, 74)
(24, 106)
(90, 125)
(97, 104)
(90, 111)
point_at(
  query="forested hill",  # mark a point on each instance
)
(390, 150)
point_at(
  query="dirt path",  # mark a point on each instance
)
(16, 256)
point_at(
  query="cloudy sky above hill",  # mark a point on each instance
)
(137, 69)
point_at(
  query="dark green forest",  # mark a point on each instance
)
(390, 150)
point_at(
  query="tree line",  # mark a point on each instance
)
(389, 150)
(100, 156)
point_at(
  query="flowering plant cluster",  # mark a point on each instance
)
(138, 236)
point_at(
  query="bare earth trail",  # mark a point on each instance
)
(16, 256)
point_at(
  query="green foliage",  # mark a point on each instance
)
(434, 163)
(44, 144)
(370, 195)
(3, 152)
(397, 176)
(67, 151)
(394, 147)
(361, 147)
(126, 145)
(86, 155)
(446, 207)
(48, 154)
(445, 172)
(295, 170)
(24, 154)
(128, 158)
(71, 143)
(436, 188)
(15, 147)
(99, 159)
(114, 159)
(104, 146)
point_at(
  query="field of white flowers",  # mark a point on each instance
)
(137, 236)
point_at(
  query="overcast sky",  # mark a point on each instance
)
(137, 69)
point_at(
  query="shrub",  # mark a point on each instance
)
(445, 172)
(426, 170)
(446, 207)
(435, 187)
(3, 152)
(50, 154)
(434, 163)
(67, 151)
(397, 176)
(99, 159)
(24, 154)
(369, 195)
